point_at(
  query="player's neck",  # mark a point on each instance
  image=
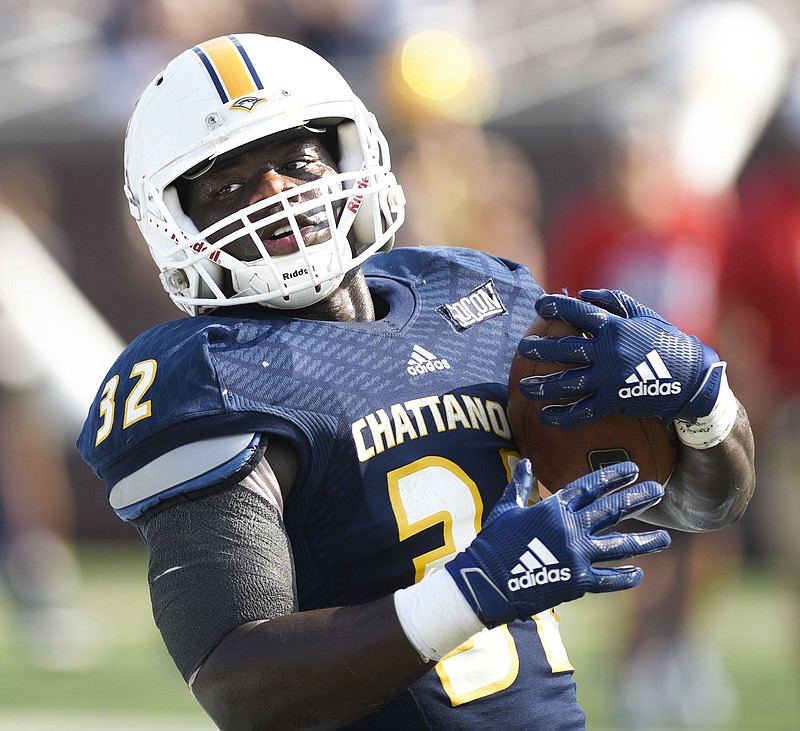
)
(350, 302)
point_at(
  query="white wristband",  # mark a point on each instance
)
(708, 431)
(435, 615)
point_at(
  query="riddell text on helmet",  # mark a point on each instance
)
(650, 389)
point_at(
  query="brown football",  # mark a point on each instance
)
(561, 455)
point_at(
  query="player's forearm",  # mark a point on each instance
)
(710, 488)
(308, 670)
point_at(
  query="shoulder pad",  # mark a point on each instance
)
(184, 469)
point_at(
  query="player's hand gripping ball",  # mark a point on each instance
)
(499, 575)
(578, 440)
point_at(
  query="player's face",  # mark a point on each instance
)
(268, 169)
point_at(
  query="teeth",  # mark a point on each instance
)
(282, 231)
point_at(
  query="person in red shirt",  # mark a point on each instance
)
(639, 229)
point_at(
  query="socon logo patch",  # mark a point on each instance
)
(481, 304)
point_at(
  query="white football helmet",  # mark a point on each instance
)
(217, 97)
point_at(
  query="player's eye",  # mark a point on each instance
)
(297, 164)
(228, 189)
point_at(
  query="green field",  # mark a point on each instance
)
(133, 685)
(752, 622)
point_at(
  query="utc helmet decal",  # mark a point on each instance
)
(229, 66)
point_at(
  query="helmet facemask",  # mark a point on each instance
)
(293, 280)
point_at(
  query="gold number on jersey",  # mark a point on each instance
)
(547, 626)
(436, 491)
(107, 409)
(135, 407)
(432, 491)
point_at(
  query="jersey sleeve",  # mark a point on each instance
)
(165, 421)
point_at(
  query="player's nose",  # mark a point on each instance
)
(271, 183)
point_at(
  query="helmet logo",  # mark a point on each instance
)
(355, 202)
(199, 246)
(248, 102)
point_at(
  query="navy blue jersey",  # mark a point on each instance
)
(404, 446)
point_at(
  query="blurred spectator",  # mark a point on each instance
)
(139, 37)
(638, 229)
(336, 29)
(492, 199)
(37, 555)
(351, 34)
(160, 29)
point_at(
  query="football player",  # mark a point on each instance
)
(339, 525)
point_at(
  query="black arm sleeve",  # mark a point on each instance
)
(215, 563)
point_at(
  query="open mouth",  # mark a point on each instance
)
(280, 233)
(280, 240)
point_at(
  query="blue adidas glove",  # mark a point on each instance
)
(636, 363)
(528, 559)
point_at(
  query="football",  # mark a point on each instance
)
(560, 455)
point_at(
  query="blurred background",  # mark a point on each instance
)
(651, 145)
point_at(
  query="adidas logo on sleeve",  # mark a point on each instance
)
(650, 378)
(537, 566)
